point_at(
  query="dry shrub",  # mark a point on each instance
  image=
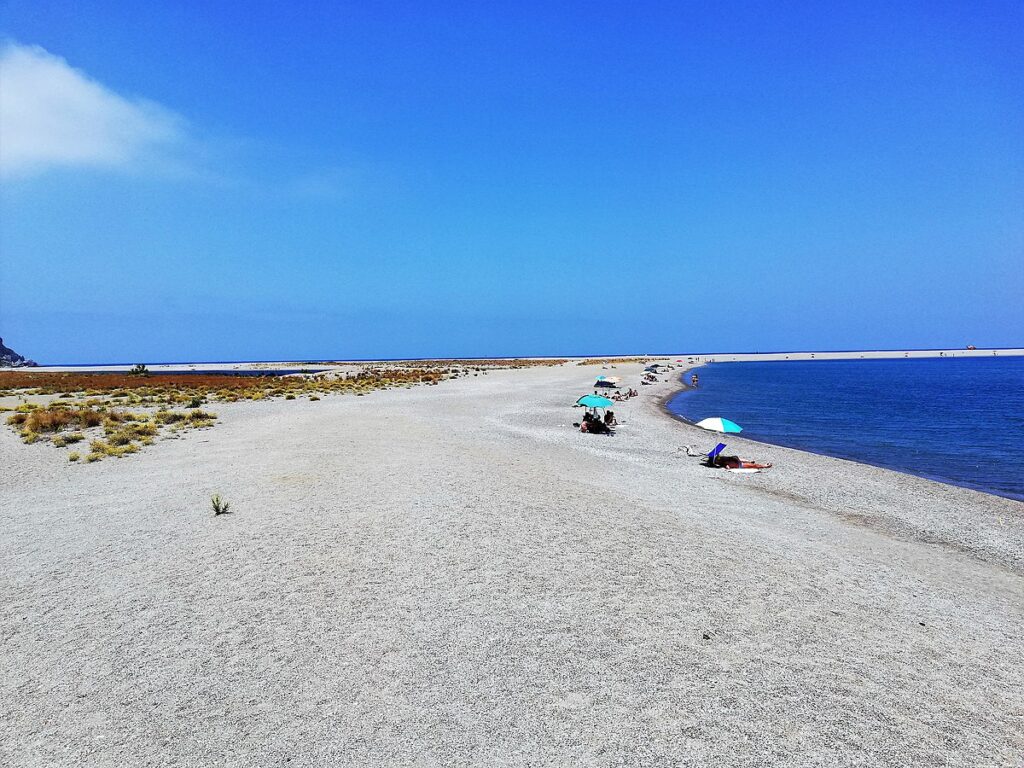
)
(169, 417)
(120, 437)
(55, 419)
(50, 420)
(89, 418)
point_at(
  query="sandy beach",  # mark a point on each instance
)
(453, 576)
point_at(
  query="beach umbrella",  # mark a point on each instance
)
(594, 401)
(718, 424)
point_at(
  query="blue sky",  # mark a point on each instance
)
(298, 181)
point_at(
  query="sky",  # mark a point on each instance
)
(293, 181)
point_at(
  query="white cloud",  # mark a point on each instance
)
(53, 116)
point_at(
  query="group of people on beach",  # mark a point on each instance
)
(595, 425)
(622, 397)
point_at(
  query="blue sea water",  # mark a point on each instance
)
(957, 420)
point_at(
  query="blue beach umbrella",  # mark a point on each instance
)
(594, 401)
(718, 424)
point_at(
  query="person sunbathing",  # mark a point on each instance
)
(735, 462)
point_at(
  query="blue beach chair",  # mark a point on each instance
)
(713, 454)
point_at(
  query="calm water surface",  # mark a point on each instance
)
(958, 420)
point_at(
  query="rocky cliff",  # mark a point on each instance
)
(11, 359)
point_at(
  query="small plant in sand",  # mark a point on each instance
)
(74, 456)
(220, 507)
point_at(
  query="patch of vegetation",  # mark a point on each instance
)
(101, 447)
(74, 456)
(614, 360)
(103, 398)
(220, 507)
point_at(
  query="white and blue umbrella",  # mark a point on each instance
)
(718, 424)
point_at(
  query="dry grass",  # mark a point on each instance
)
(93, 401)
(123, 432)
(193, 388)
(56, 419)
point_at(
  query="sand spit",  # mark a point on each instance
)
(452, 576)
(701, 357)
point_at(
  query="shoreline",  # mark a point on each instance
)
(683, 388)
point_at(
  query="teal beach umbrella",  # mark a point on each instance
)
(594, 401)
(718, 424)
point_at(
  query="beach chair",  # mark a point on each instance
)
(713, 453)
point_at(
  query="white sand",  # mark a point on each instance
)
(448, 576)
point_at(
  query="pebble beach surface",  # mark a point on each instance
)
(453, 576)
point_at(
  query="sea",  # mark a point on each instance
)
(956, 420)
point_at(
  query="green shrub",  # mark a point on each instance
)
(74, 456)
(121, 437)
(169, 417)
(220, 507)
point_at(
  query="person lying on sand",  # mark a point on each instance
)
(735, 462)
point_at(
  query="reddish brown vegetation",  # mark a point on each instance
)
(107, 383)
